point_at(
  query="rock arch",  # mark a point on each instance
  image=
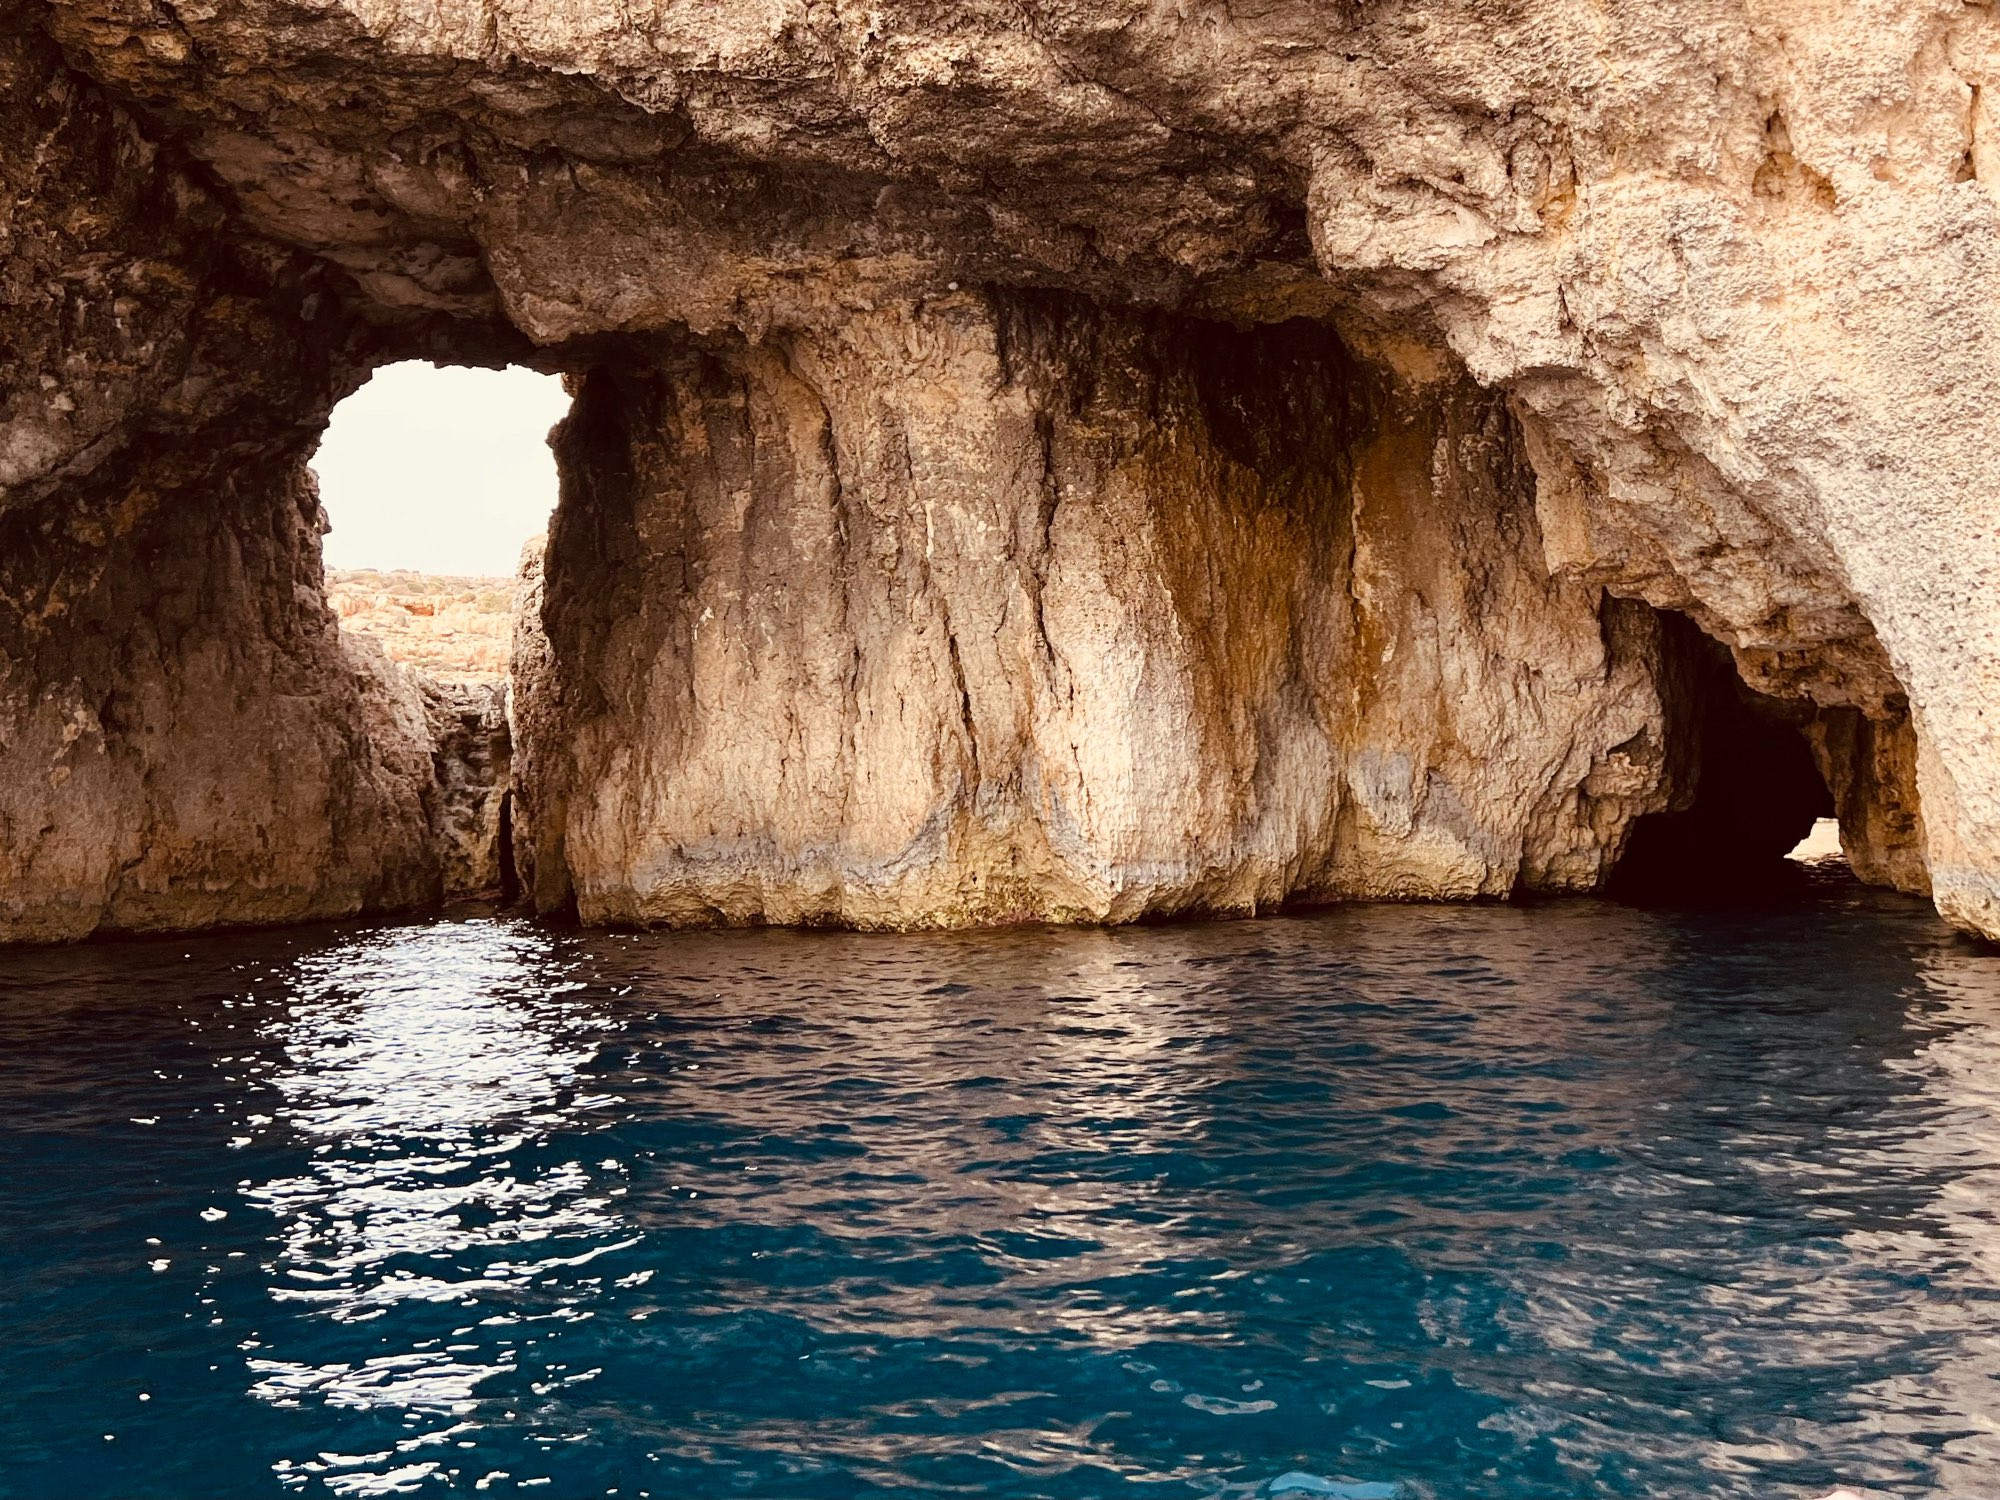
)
(1082, 463)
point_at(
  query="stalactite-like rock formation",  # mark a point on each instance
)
(1074, 461)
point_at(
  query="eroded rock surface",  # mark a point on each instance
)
(186, 738)
(1066, 459)
(988, 611)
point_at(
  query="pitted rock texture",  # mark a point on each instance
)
(1870, 765)
(186, 738)
(1727, 263)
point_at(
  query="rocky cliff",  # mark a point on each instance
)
(1008, 607)
(1074, 460)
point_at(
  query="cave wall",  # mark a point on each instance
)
(1009, 608)
(1869, 762)
(470, 814)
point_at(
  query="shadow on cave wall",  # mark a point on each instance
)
(1748, 787)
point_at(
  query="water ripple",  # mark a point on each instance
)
(1504, 1203)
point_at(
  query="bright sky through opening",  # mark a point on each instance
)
(443, 470)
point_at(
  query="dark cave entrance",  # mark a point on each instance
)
(1748, 787)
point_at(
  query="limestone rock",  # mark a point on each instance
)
(1073, 460)
(471, 757)
(1871, 766)
(186, 738)
(1006, 610)
(534, 725)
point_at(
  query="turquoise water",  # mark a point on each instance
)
(1475, 1202)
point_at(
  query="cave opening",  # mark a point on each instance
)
(1750, 801)
(432, 479)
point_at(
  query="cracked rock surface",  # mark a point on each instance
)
(1067, 459)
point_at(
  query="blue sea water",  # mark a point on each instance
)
(1482, 1202)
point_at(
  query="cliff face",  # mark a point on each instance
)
(1074, 460)
(183, 739)
(1011, 608)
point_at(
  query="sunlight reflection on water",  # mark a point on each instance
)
(420, 1062)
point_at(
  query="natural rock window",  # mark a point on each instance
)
(433, 478)
(1747, 790)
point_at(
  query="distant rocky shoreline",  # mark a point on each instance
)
(455, 627)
